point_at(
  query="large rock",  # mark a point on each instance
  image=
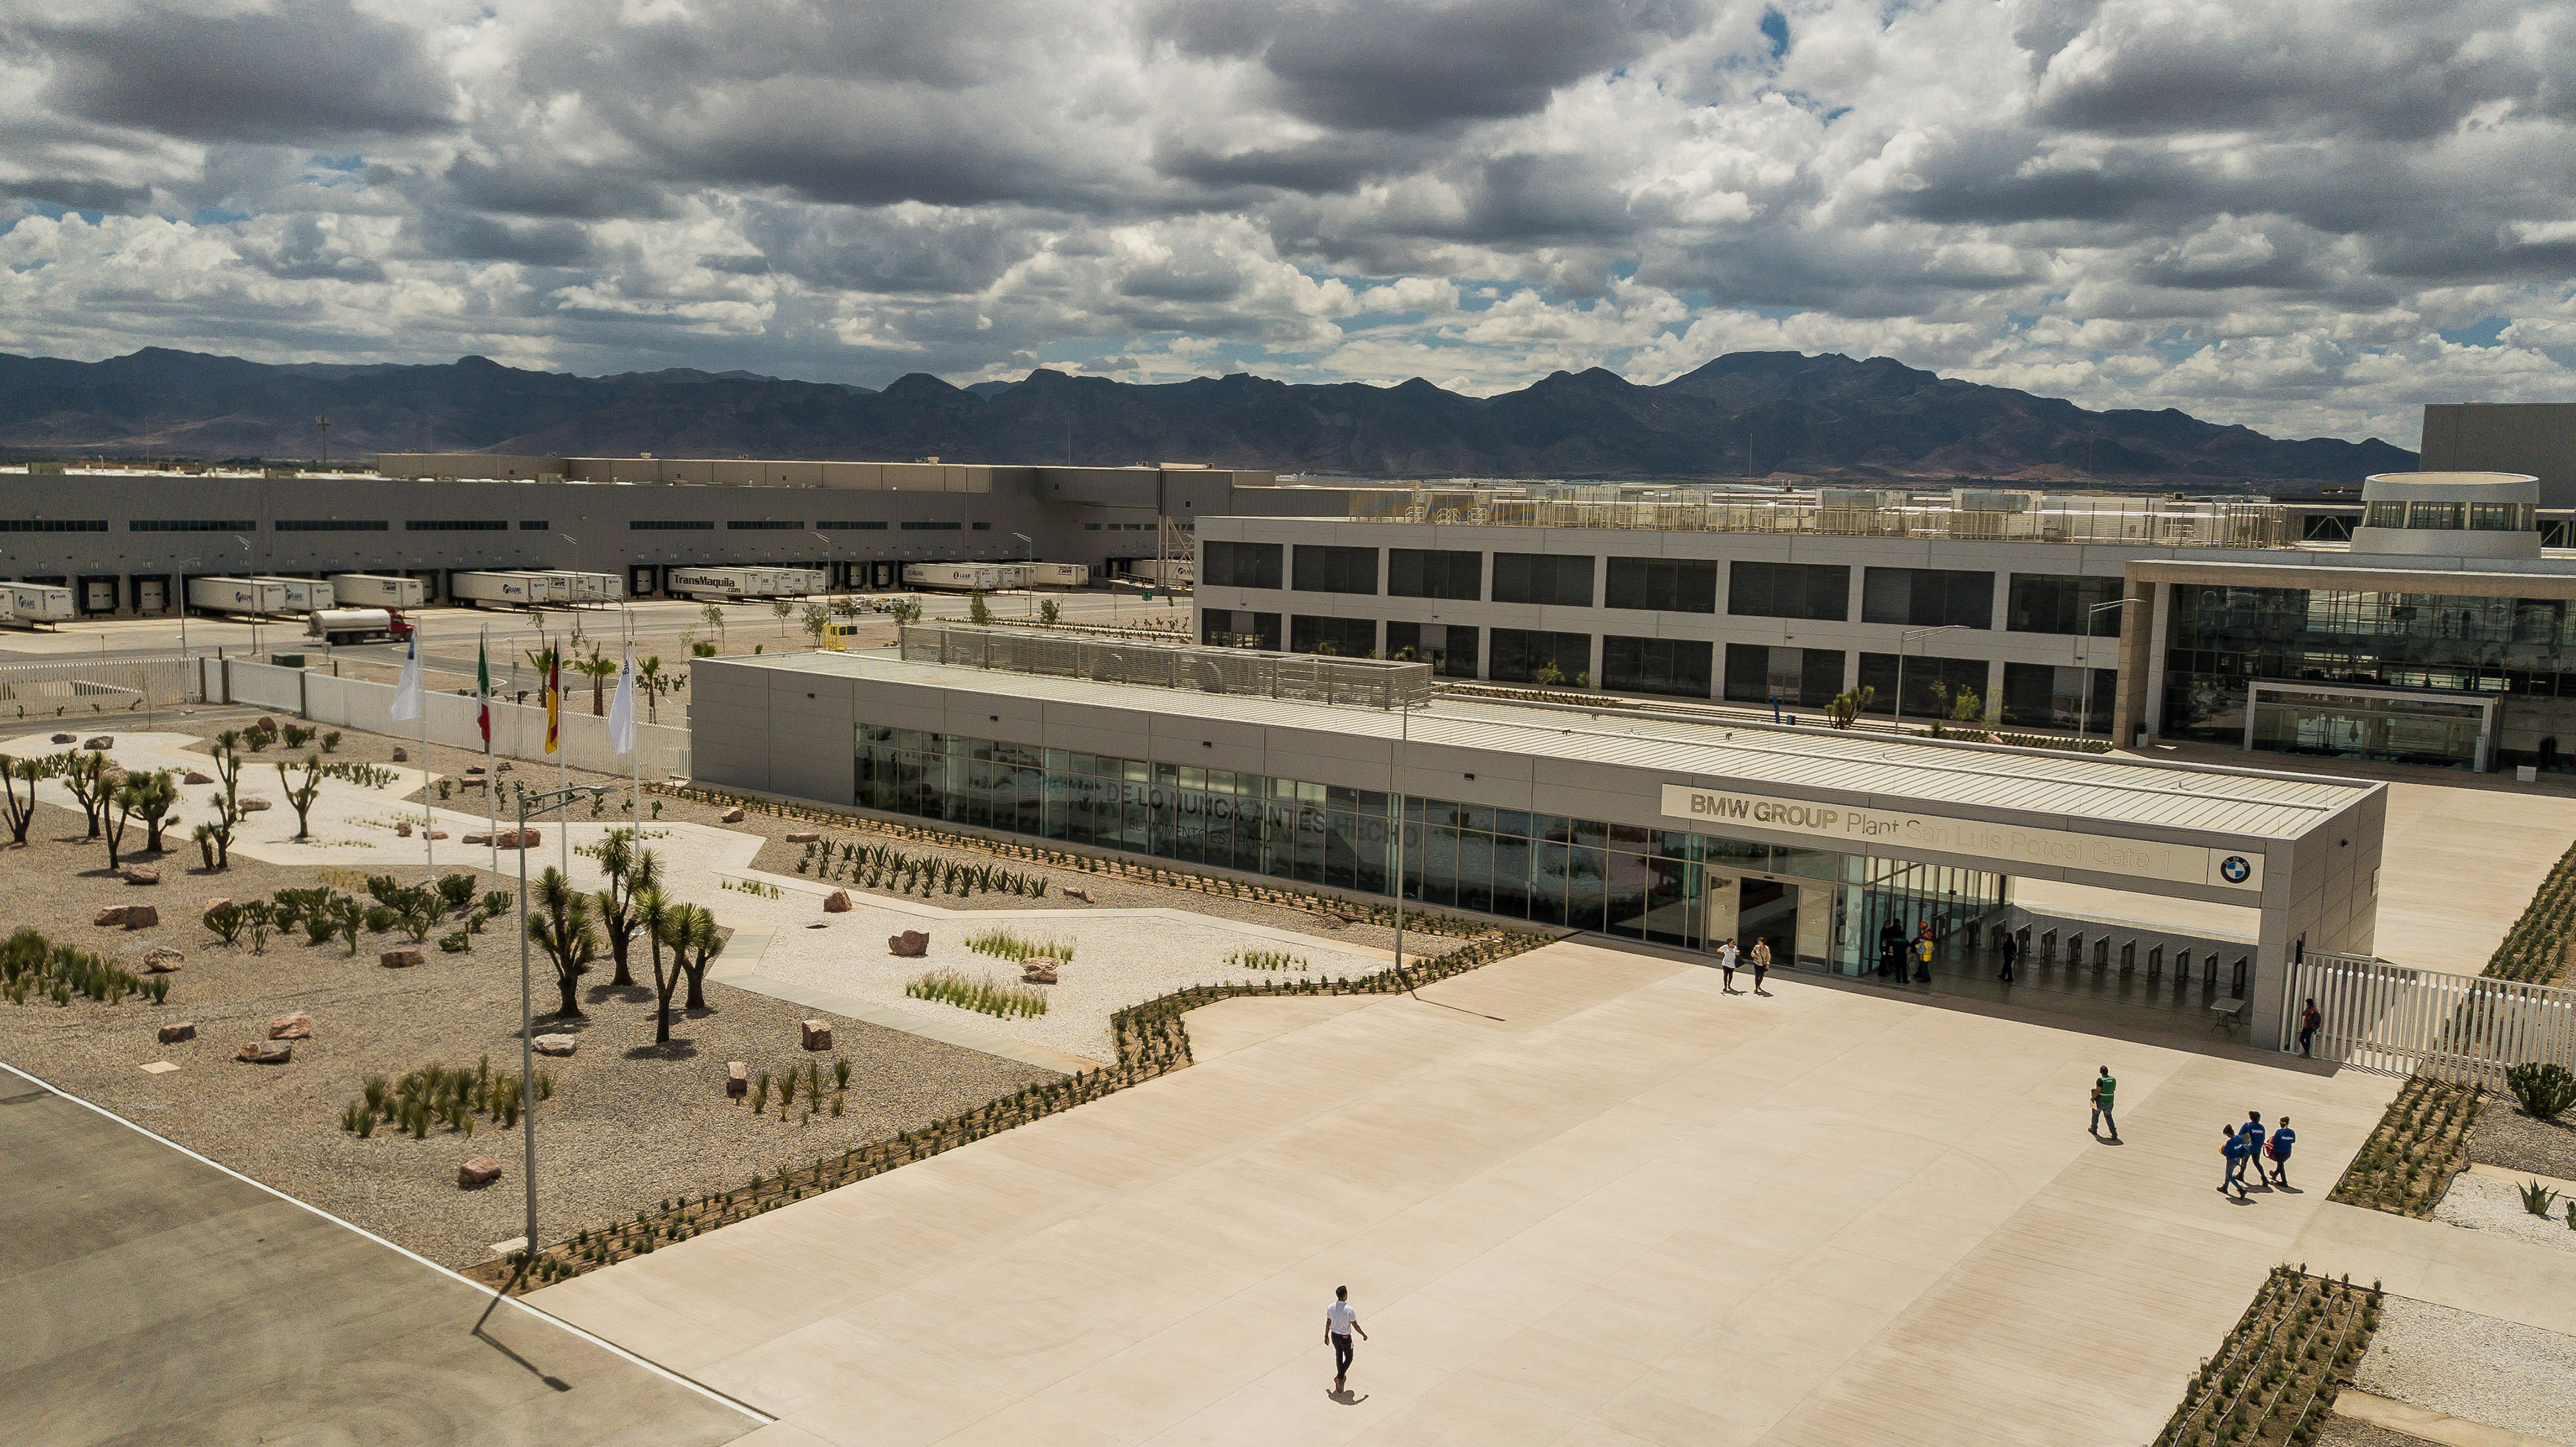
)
(556, 1044)
(437, 833)
(480, 1171)
(265, 724)
(298, 1026)
(141, 916)
(912, 944)
(178, 1030)
(402, 829)
(1037, 971)
(402, 756)
(737, 1078)
(99, 745)
(818, 1034)
(732, 815)
(519, 839)
(114, 914)
(474, 771)
(1081, 894)
(837, 902)
(66, 738)
(808, 836)
(265, 1052)
(400, 959)
(194, 777)
(163, 961)
(142, 874)
(215, 904)
(255, 805)
(478, 838)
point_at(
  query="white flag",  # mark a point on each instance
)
(621, 709)
(407, 692)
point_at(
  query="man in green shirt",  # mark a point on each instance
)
(2103, 1089)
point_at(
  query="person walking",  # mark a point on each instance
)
(2252, 1131)
(1923, 955)
(1726, 964)
(2283, 1139)
(2235, 1150)
(1891, 948)
(1339, 1322)
(2011, 952)
(1761, 963)
(2310, 1017)
(2105, 1086)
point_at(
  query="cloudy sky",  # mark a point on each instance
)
(2306, 216)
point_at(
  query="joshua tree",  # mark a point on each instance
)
(300, 796)
(218, 835)
(155, 794)
(1848, 705)
(562, 928)
(21, 811)
(650, 681)
(699, 948)
(630, 872)
(85, 774)
(656, 917)
(118, 809)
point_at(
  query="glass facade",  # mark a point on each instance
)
(1659, 886)
(2223, 638)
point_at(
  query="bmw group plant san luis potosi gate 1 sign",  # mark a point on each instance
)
(2007, 845)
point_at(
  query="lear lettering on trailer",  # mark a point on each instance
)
(2006, 844)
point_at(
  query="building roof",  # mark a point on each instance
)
(1817, 763)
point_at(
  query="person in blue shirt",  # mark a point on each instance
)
(2282, 1140)
(2236, 1150)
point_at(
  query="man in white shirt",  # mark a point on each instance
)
(1726, 962)
(1339, 1322)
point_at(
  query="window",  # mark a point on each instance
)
(533, 525)
(1656, 665)
(1449, 648)
(2438, 516)
(1347, 637)
(1336, 570)
(2500, 517)
(1416, 573)
(2384, 515)
(1927, 598)
(2061, 603)
(1665, 585)
(1548, 578)
(1091, 527)
(54, 525)
(1238, 628)
(502, 525)
(1760, 673)
(330, 525)
(934, 527)
(1932, 685)
(1789, 590)
(983, 527)
(2045, 696)
(852, 527)
(190, 525)
(1242, 565)
(762, 525)
(1521, 655)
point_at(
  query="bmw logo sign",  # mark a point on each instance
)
(2234, 869)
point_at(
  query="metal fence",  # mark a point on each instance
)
(2404, 1021)
(1309, 678)
(93, 690)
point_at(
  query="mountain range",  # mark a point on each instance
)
(1748, 414)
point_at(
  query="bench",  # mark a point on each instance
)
(2227, 1012)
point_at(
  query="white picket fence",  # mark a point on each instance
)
(518, 732)
(2405, 1021)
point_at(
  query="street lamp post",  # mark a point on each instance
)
(1906, 640)
(1028, 584)
(527, 1000)
(2084, 660)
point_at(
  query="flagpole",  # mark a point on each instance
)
(554, 738)
(428, 821)
(637, 752)
(483, 720)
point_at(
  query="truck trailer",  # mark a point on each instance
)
(356, 625)
(956, 577)
(246, 597)
(723, 582)
(303, 595)
(377, 590)
(34, 603)
(496, 590)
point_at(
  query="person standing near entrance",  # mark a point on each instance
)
(1761, 963)
(2282, 1140)
(1891, 947)
(1339, 1322)
(2011, 951)
(2310, 1017)
(2105, 1086)
(1726, 964)
(1923, 955)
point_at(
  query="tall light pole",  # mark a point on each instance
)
(1905, 640)
(184, 659)
(527, 1000)
(2084, 659)
(1029, 584)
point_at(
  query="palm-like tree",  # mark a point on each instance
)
(600, 669)
(704, 941)
(656, 917)
(650, 682)
(630, 872)
(562, 927)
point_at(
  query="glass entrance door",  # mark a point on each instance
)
(1766, 909)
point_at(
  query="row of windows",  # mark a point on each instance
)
(934, 527)
(189, 525)
(1904, 597)
(851, 527)
(668, 525)
(759, 525)
(332, 525)
(2485, 517)
(459, 525)
(53, 525)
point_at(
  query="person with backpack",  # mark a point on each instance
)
(2310, 1017)
(2282, 1139)
(2235, 1150)
(2105, 1086)
(2252, 1131)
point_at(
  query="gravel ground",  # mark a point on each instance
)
(2481, 1204)
(2506, 1137)
(627, 1126)
(2501, 1373)
(2351, 1432)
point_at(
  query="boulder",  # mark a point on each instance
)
(480, 1171)
(1037, 971)
(141, 874)
(478, 838)
(912, 944)
(215, 904)
(254, 805)
(66, 738)
(163, 961)
(818, 1034)
(194, 777)
(520, 838)
(732, 815)
(737, 1078)
(400, 959)
(556, 1044)
(402, 756)
(178, 1030)
(99, 745)
(808, 836)
(114, 914)
(503, 768)
(474, 771)
(437, 833)
(265, 1052)
(141, 916)
(837, 902)
(298, 1026)
(1081, 894)
(402, 830)
(265, 724)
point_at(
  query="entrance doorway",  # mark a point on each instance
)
(1766, 909)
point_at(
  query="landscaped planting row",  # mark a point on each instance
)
(1416, 918)
(1152, 1040)
(2420, 1143)
(33, 967)
(869, 865)
(2275, 1377)
(2535, 949)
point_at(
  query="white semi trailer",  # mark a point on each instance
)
(723, 582)
(303, 595)
(247, 597)
(357, 625)
(1174, 573)
(33, 603)
(595, 587)
(497, 590)
(802, 582)
(1045, 575)
(377, 590)
(956, 577)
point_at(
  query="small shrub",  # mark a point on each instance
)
(455, 944)
(227, 922)
(2544, 1091)
(985, 996)
(499, 901)
(840, 1073)
(2536, 1198)
(380, 920)
(297, 736)
(331, 742)
(1266, 960)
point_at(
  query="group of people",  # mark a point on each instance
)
(2246, 1144)
(1759, 957)
(1896, 952)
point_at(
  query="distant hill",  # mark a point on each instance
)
(1750, 414)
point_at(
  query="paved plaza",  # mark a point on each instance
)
(1631, 1209)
